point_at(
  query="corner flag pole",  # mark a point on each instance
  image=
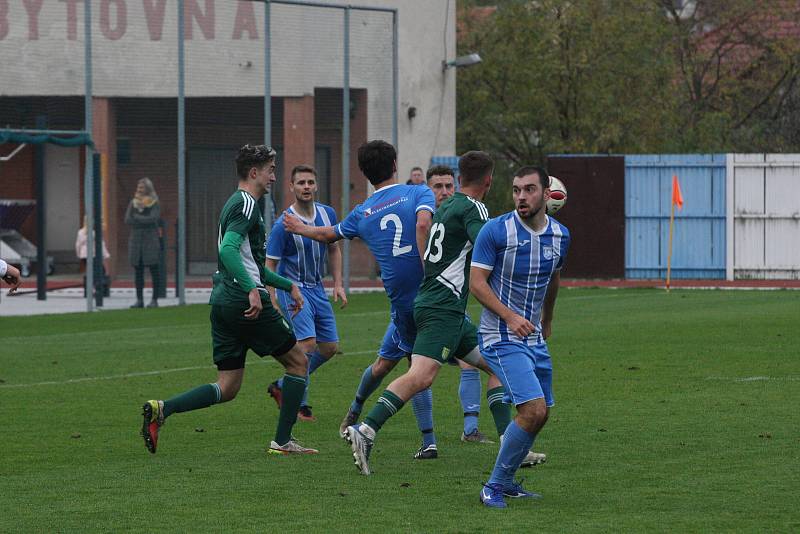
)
(677, 199)
(669, 253)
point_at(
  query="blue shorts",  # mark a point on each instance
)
(526, 372)
(399, 337)
(315, 318)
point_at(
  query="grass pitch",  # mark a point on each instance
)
(674, 412)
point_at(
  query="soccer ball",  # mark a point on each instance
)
(558, 196)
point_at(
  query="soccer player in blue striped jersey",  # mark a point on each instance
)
(302, 261)
(515, 275)
(394, 223)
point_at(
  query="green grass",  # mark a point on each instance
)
(652, 430)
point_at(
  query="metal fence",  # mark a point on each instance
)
(170, 90)
(699, 242)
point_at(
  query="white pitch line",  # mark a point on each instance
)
(755, 378)
(144, 373)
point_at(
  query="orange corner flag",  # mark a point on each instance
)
(677, 197)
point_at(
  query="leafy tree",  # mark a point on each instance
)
(583, 76)
(627, 76)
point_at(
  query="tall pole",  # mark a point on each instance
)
(346, 147)
(395, 79)
(267, 103)
(181, 237)
(41, 214)
(88, 166)
(669, 246)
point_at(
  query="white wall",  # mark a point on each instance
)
(763, 216)
(135, 55)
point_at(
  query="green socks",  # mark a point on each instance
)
(293, 389)
(388, 404)
(194, 399)
(501, 412)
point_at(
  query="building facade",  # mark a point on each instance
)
(135, 88)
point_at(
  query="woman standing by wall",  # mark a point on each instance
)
(142, 215)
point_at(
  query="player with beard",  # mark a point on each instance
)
(515, 276)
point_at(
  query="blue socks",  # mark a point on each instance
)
(366, 387)
(469, 392)
(422, 403)
(516, 444)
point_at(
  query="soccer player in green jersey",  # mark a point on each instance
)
(442, 182)
(443, 331)
(242, 316)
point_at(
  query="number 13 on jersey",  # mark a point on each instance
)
(434, 250)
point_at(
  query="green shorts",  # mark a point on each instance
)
(443, 335)
(232, 334)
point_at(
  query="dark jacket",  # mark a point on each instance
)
(143, 245)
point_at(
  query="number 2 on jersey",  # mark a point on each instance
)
(397, 250)
(437, 236)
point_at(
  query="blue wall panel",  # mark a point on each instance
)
(699, 233)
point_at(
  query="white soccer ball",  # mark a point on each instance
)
(558, 196)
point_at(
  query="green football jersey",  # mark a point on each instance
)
(241, 215)
(447, 257)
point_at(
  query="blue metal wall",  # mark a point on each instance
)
(698, 249)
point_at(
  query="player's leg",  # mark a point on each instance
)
(326, 342)
(422, 401)
(271, 334)
(388, 356)
(469, 353)
(513, 363)
(422, 405)
(469, 393)
(295, 364)
(303, 326)
(361, 437)
(229, 357)
(544, 373)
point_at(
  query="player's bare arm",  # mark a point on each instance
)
(424, 221)
(335, 264)
(550, 304)
(272, 265)
(479, 287)
(323, 234)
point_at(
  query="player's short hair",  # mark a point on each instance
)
(303, 168)
(376, 160)
(544, 178)
(440, 170)
(253, 156)
(416, 169)
(474, 166)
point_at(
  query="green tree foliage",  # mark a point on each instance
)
(627, 76)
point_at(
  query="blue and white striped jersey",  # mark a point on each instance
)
(522, 262)
(301, 260)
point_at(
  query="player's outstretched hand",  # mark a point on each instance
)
(520, 326)
(255, 304)
(297, 297)
(12, 278)
(292, 223)
(338, 293)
